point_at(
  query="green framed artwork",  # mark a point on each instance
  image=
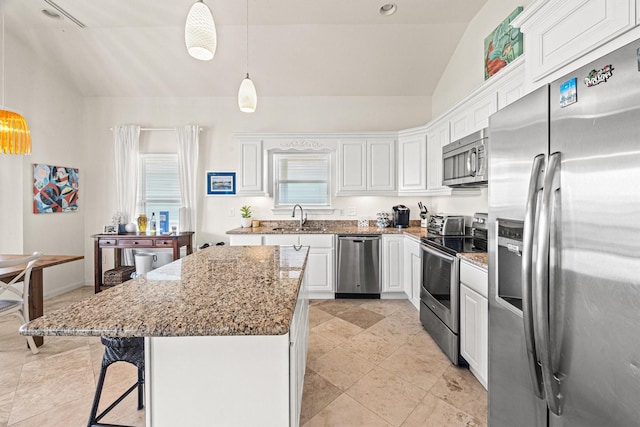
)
(502, 46)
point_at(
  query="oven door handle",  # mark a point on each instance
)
(438, 253)
(535, 185)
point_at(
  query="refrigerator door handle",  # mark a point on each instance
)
(551, 382)
(535, 185)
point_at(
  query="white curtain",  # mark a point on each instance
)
(187, 137)
(127, 142)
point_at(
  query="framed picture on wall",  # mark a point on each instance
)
(221, 183)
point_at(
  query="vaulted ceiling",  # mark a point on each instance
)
(296, 47)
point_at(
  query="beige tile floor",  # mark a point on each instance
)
(370, 363)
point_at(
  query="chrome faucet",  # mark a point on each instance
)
(303, 216)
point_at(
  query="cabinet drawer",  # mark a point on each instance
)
(164, 243)
(108, 242)
(474, 277)
(317, 240)
(129, 243)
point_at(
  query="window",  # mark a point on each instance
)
(302, 178)
(159, 186)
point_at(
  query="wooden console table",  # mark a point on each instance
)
(117, 242)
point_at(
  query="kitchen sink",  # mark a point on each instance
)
(298, 229)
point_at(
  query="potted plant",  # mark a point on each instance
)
(245, 213)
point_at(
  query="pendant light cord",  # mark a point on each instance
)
(3, 36)
(247, 38)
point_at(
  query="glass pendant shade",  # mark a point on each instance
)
(200, 32)
(247, 96)
(15, 137)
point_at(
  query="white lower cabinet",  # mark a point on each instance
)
(319, 276)
(298, 343)
(474, 320)
(320, 273)
(391, 258)
(412, 270)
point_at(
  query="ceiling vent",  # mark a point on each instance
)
(64, 13)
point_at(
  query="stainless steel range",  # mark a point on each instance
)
(439, 296)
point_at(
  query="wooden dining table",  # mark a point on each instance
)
(36, 305)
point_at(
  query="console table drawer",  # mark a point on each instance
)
(108, 242)
(165, 243)
(130, 243)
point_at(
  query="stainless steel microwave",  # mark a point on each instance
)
(464, 162)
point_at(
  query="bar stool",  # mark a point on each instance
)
(130, 350)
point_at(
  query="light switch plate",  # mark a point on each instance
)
(352, 211)
(232, 212)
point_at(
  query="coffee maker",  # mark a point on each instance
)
(401, 216)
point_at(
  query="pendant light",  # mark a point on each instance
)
(200, 32)
(15, 137)
(247, 96)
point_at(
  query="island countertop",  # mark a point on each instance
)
(221, 290)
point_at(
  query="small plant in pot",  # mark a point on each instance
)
(245, 214)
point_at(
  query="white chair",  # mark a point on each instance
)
(18, 307)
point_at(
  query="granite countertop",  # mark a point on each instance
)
(481, 259)
(327, 227)
(220, 290)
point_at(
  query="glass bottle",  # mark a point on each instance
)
(152, 224)
(142, 223)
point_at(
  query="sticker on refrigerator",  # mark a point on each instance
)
(568, 92)
(596, 77)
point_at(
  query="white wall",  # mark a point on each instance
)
(465, 71)
(54, 112)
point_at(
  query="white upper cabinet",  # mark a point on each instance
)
(559, 32)
(249, 180)
(437, 137)
(353, 166)
(366, 167)
(412, 161)
(512, 87)
(381, 165)
(473, 116)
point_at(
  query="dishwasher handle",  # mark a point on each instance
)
(359, 239)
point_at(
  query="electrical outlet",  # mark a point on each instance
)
(232, 212)
(352, 211)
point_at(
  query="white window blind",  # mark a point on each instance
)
(159, 186)
(302, 178)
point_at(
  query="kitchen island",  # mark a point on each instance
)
(225, 332)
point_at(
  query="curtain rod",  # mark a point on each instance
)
(159, 129)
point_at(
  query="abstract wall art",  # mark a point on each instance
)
(502, 46)
(55, 189)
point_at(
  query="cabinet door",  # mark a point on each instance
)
(436, 139)
(412, 270)
(473, 117)
(281, 239)
(250, 179)
(245, 240)
(392, 256)
(320, 272)
(474, 332)
(512, 89)
(560, 32)
(381, 162)
(412, 164)
(352, 168)
(299, 337)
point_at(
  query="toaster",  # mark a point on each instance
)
(446, 225)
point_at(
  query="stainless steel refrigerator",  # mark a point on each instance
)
(564, 250)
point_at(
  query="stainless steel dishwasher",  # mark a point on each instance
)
(358, 273)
